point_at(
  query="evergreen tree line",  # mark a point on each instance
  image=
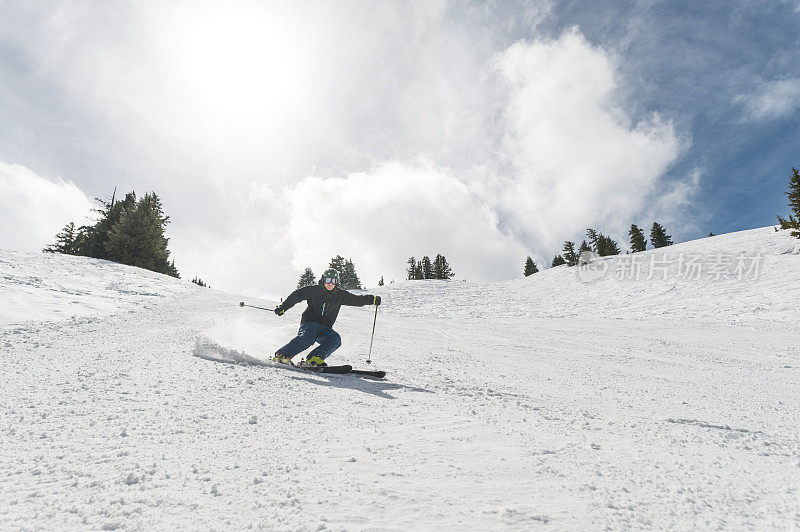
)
(130, 231)
(348, 278)
(603, 245)
(793, 193)
(425, 269)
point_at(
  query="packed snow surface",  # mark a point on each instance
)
(666, 400)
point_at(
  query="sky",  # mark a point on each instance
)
(280, 134)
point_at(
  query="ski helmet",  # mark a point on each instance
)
(330, 273)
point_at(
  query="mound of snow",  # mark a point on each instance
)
(50, 286)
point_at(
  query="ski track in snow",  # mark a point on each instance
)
(136, 401)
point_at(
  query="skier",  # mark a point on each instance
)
(316, 325)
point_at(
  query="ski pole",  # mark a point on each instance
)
(369, 356)
(242, 304)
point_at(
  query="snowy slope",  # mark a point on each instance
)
(771, 291)
(53, 287)
(543, 402)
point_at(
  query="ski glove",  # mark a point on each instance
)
(280, 311)
(376, 300)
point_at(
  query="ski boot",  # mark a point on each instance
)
(282, 359)
(313, 361)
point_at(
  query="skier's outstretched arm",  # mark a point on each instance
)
(301, 294)
(353, 300)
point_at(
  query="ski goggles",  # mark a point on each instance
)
(331, 280)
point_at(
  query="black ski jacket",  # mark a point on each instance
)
(324, 305)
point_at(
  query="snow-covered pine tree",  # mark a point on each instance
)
(638, 243)
(380, 283)
(441, 269)
(530, 267)
(659, 237)
(307, 278)
(584, 247)
(558, 260)
(427, 268)
(569, 253)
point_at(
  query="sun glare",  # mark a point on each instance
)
(240, 62)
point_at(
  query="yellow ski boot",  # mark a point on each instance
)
(282, 359)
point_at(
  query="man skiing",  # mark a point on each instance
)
(316, 325)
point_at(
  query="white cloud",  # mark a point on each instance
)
(243, 248)
(573, 159)
(381, 218)
(33, 209)
(771, 99)
(579, 160)
(542, 150)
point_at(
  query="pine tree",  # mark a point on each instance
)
(418, 271)
(199, 282)
(601, 244)
(98, 235)
(569, 253)
(412, 268)
(337, 263)
(791, 223)
(307, 278)
(137, 238)
(584, 248)
(794, 192)
(558, 260)
(638, 243)
(607, 246)
(380, 283)
(659, 237)
(530, 267)
(130, 231)
(710, 234)
(173, 271)
(593, 238)
(427, 268)
(65, 241)
(794, 204)
(441, 269)
(90, 241)
(349, 278)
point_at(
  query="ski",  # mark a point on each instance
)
(337, 370)
(368, 373)
(344, 369)
(333, 370)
